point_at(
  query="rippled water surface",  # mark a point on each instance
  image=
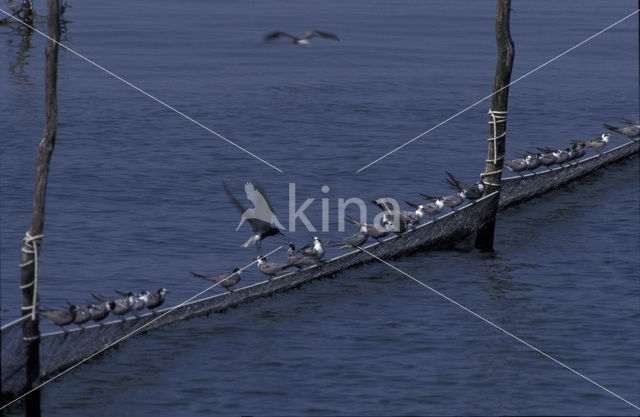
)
(135, 201)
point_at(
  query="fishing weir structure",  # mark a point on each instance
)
(60, 350)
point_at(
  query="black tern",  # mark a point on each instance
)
(82, 314)
(314, 248)
(260, 222)
(60, 317)
(354, 240)
(376, 231)
(139, 301)
(401, 220)
(122, 305)
(156, 299)
(632, 131)
(299, 259)
(452, 201)
(472, 192)
(302, 40)
(597, 143)
(100, 311)
(271, 268)
(430, 208)
(518, 165)
(227, 280)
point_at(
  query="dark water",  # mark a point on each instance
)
(135, 202)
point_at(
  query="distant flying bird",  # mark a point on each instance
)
(302, 40)
(260, 219)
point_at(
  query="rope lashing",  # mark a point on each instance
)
(31, 246)
(497, 116)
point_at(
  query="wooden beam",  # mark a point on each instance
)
(492, 175)
(31, 332)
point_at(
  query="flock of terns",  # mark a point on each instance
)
(394, 220)
(104, 306)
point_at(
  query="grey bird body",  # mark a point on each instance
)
(60, 317)
(401, 220)
(122, 305)
(452, 201)
(376, 231)
(271, 268)
(632, 131)
(302, 40)
(314, 248)
(472, 192)
(299, 259)
(100, 311)
(156, 299)
(597, 143)
(518, 165)
(431, 209)
(226, 280)
(353, 240)
(82, 314)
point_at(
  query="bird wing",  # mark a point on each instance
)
(264, 209)
(353, 221)
(278, 34)
(313, 33)
(410, 204)
(427, 197)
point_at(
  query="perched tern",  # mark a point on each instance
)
(226, 280)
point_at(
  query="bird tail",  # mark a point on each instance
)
(253, 239)
(198, 275)
(353, 221)
(609, 127)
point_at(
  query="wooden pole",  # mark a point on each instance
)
(29, 282)
(492, 175)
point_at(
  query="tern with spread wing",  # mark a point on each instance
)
(260, 219)
(302, 40)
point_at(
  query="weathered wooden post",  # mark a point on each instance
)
(33, 238)
(492, 175)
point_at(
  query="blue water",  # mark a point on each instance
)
(135, 202)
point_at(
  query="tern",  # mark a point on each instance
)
(122, 305)
(353, 240)
(561, 155)
(632, 131)
(302, 40)
(431, 208)
(375, 231)
(452, 201)
(535, 160)
(400, 219)
(60, 317)
(100, 311)
(597, 143)
(82, 314)
(260, 221)
(299, 259)
(518, 165)
(226, 280)
(271, 268)
(157, 299)
(472, 192)
(139, 301)
(314, 248)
